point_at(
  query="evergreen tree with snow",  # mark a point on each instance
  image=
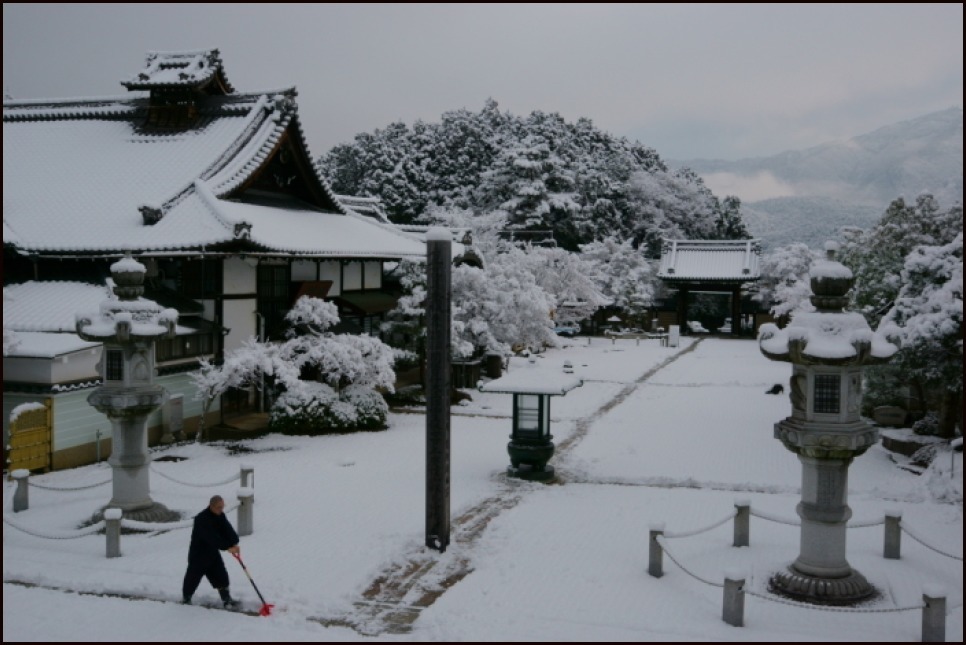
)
(929, 314)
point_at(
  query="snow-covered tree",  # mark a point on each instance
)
(539, 172)
(241, 368)
(929, 314)
(621, 272)
(327, 381)
(877, 256)
(784, 284)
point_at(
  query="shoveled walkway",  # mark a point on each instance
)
(394, 600)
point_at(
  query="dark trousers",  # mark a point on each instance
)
(214, 570)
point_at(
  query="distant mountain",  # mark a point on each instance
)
(805, 195)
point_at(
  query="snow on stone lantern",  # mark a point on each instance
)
(531, 444)
(128, 326)
(828, 349)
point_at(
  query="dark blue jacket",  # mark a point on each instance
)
(211, 534)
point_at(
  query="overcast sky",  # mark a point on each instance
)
(691, 81)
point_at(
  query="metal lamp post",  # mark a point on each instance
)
(531, 444)
(828, 350)
(128, 327)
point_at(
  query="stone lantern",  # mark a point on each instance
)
(531, 444)
(828, 349)
(128, 326)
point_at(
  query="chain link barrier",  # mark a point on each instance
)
(905, 530)
(843, 610)
(79, 533)
(235, 477)
(773, 518)
(683, 534)
(136, 525)
(661, 541)
(66, 489)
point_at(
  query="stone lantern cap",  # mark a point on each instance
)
(829, 335)
(531, 379)
(129, 317)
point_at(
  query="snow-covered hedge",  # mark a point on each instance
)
(316, 408)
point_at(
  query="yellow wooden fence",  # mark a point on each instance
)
(30, 440)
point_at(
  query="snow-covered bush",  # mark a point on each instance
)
(328, 382)
(309, 407)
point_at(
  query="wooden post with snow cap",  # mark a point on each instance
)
(246, 511)
(893, 534)
(247, 476)
(21, 496)
(933, 614)
(655, 553)
(112, 531)
(742, 522)
(733, 606)
(439, 259)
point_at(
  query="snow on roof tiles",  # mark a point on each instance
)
(288, 226)
(77, 175)
(40, 344)
(49, 306)
(708, 260)
(178, 69)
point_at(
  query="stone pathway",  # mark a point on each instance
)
(394, 600)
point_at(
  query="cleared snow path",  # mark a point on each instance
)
(395, 599)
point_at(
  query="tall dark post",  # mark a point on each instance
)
(439, 258)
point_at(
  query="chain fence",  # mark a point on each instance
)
(229, 480)
(55, 535)
(710, 527)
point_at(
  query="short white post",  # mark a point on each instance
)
(733, 608)
(21, 500)
(246, 520)
(112, 529)
(247, 476)
(893, 534)
(742, 522)
(655, 559)
(933, 614)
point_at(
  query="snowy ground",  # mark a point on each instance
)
(549, 562)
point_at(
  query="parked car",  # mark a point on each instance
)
(570, 329)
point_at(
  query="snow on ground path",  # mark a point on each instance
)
(396, 598)
(678, 430)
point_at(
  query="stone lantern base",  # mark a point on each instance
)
(525, 471)
(847, 590)
(528, 458)
(155, 513)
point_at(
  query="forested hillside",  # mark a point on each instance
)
(535, 173)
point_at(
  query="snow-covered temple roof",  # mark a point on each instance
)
(710, 260)
(99, 177)
(194, 69)
(49, 306)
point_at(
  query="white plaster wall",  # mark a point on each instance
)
(239, 276)
(240, 318)
(373, 275)
(303, 270)
(330, 271)
(352, 276)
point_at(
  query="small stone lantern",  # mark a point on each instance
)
(828, 349)
(128, 327)
(531, 444)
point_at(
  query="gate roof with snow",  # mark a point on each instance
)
(710, 261)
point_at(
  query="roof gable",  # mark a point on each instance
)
(710, 260)
(93, 177)
(200, 70)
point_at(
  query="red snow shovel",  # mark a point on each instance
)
(266, 608)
